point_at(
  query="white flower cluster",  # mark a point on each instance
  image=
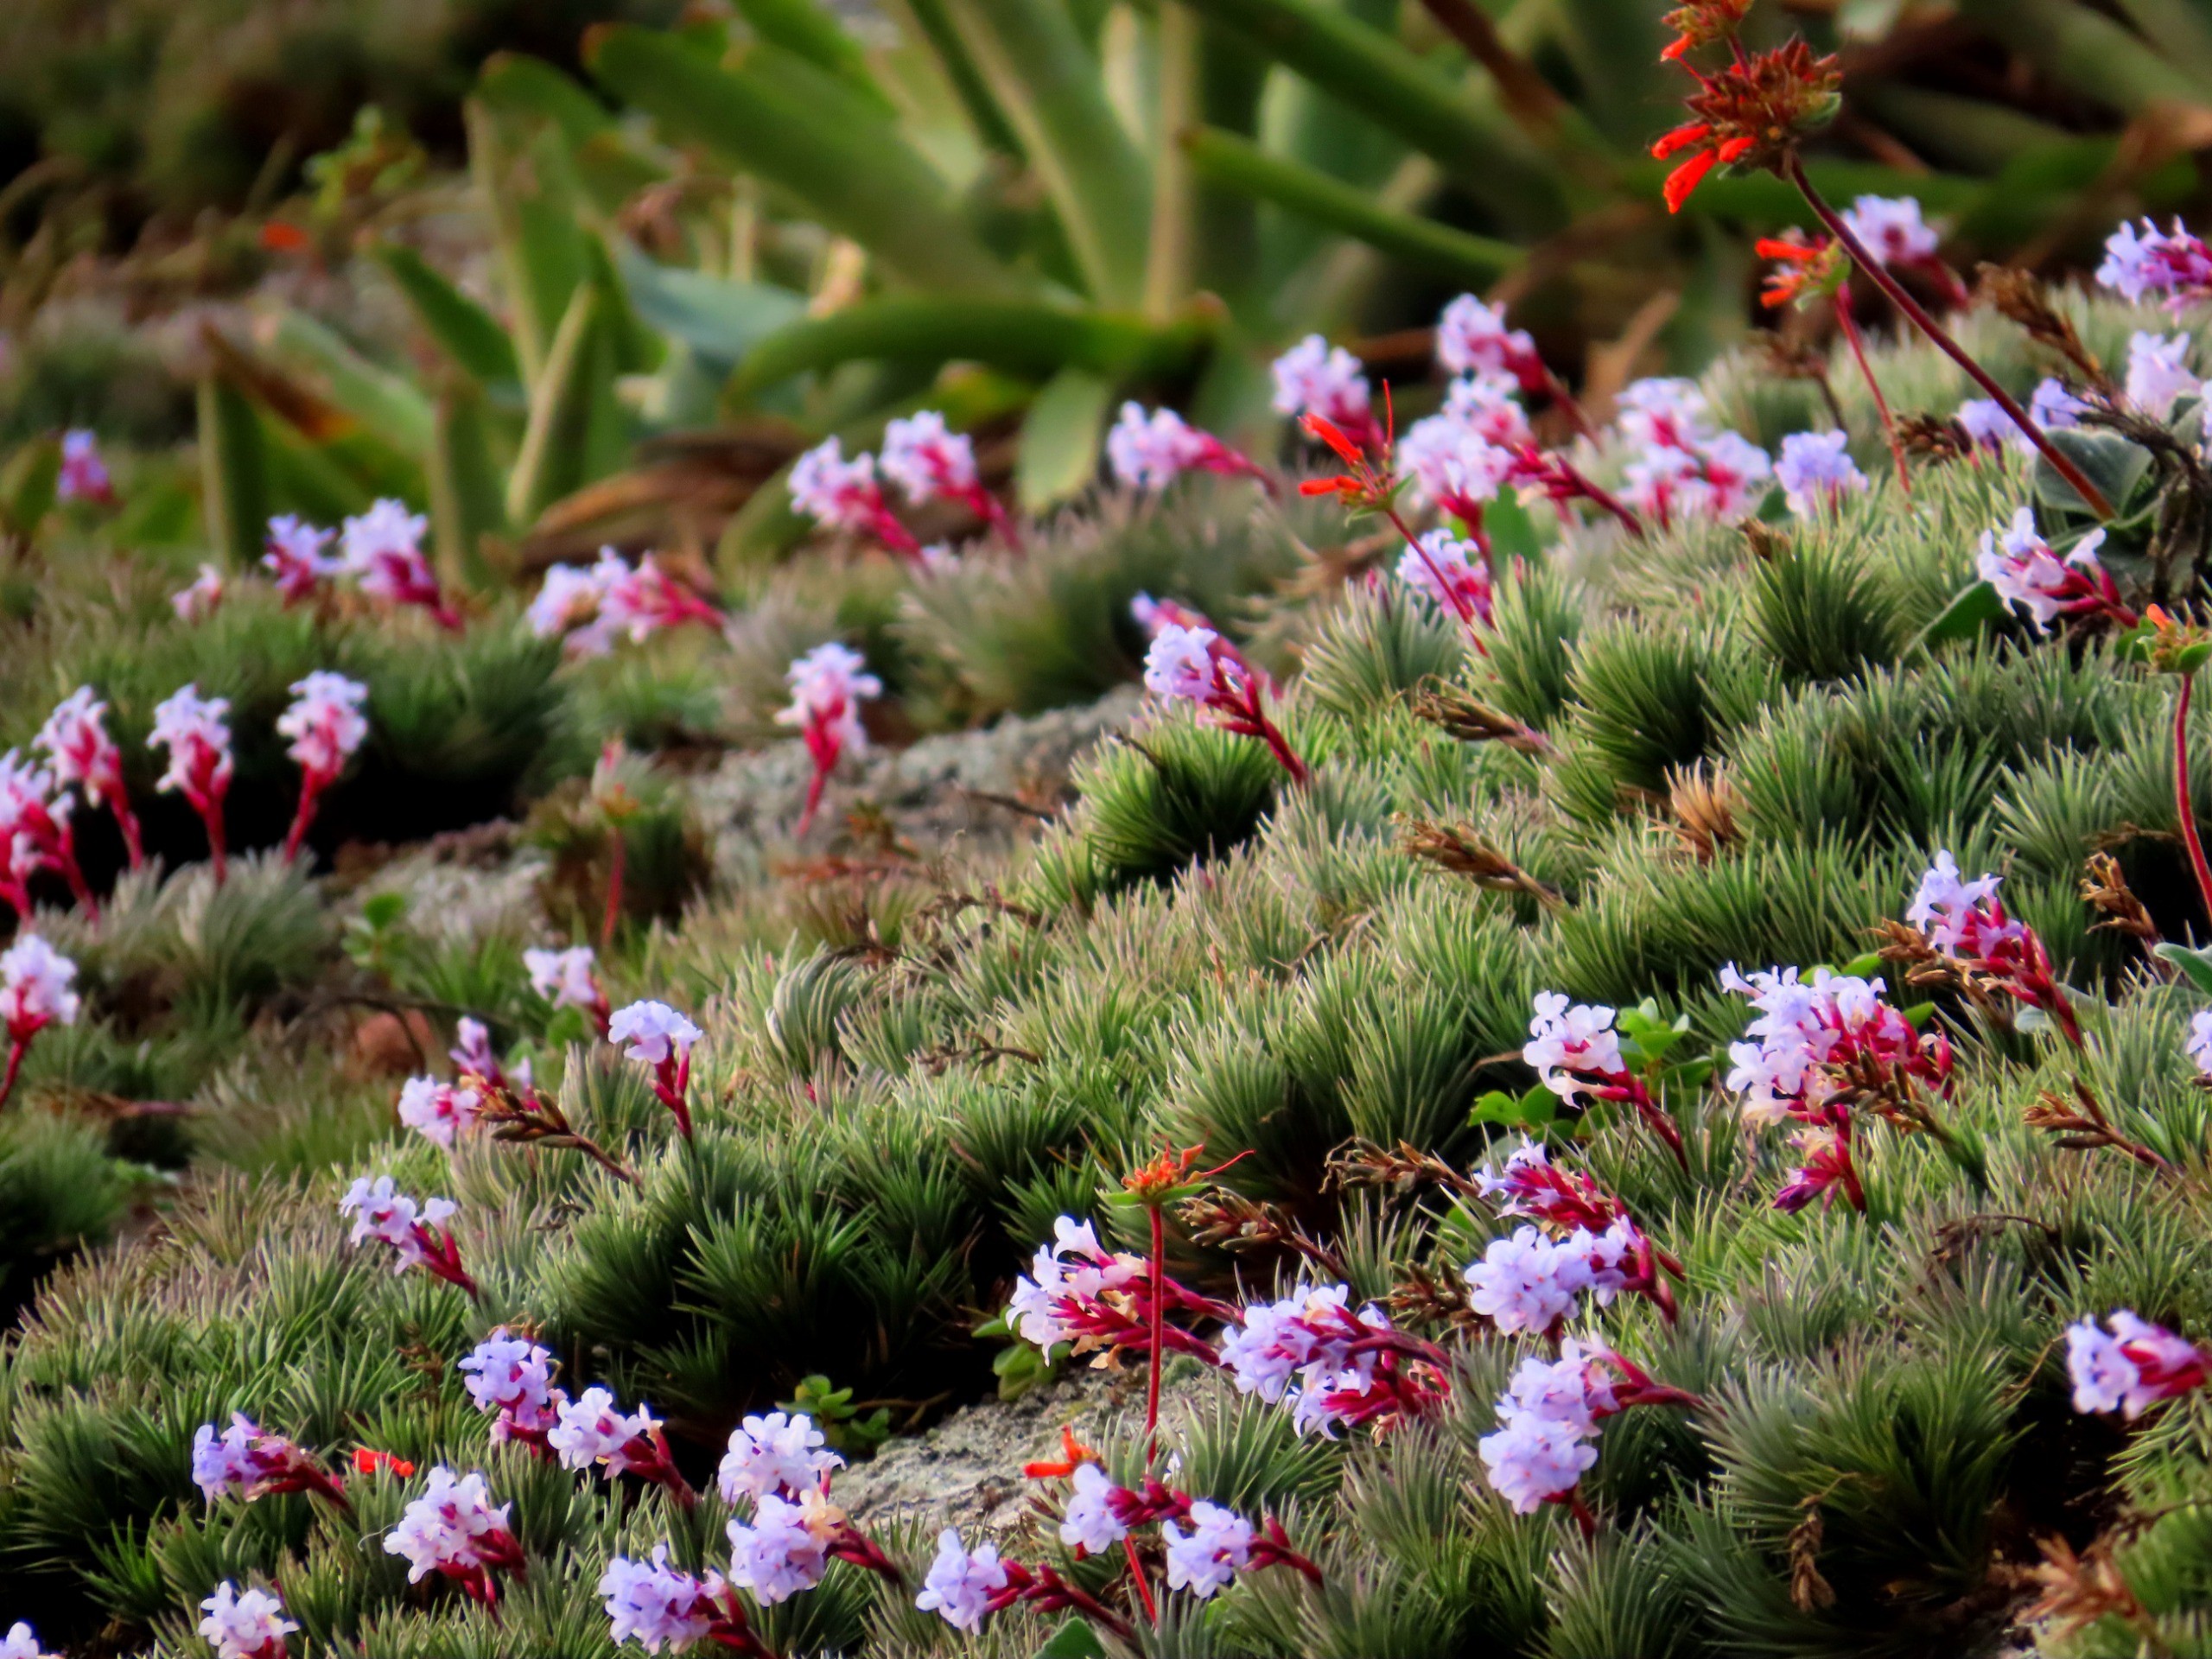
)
(35, 991)
(775, 1454)
(1073, 1268)
(324, 722)
(1314, 377)
(512, 1376)
(381, 1211)
(658, 1605)
(1546, 1418)
(588, 608)
(1531, 1282)
(1680, 465)
(245, 1624)
(1815, 471)
(196, 733)
(452, 1528)
(656, 1033)
(828, 685)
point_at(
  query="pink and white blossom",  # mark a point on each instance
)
(1150, 452)
(592, 1431)
(453, 1530)
(784, 1549)
(1892, 229)
(295, 557)
(1569, 1046)
(1816, 472)
(245, 1624)
(1314, 377)
(961, 1582)
(842, 494)
(76, 742)
(1679, 466)
(569, 979)
(1534, 1459)
(2158, 373)
(1473, 338)
(382, 550)
(2131, 1366)
(1208, 1557)
(655, 1033)
(196, 733)
(2053, 407)
(36, 992)
(437, 1110)
(1089, 1525)
(2199, 1045)
(776, 1452)
(200, 599)
(1527, 1283)
(828, 685)
(22, 1642)
(1197, 665)
(512, 1376)
(416, 1234)
(655, 1604)
(1074, 1268)
(1452, 574)
(326, 725)
(84, 475)
(2028, 575)
(2174, 265)
(37, 833)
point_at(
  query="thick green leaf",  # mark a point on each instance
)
(2110, 462)
(464, 330)
(466, 487)
(720, 320)
(1486, 154)
(804, 132)
(1061, 438)
(1021, 337)
(234, 480)
(392, 409)
(572, 437)
(1240, 164)
(1975, 608)
(1532, 1110)
(517, 85)
(1074, 1640)
(813, 32)
(522, 166)
(2083, 49)
(1048, 84)
(931, 22)
(2196, 965)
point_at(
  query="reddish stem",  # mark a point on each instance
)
(16, 1049)
(2184, 804)
(311, 791)
(1849, 327)
(617, 857)
(1159, 1319)
(1916, 314)
(127, 821)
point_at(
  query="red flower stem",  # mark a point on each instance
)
(1463, 611)
(1137, 1578)
(309, 790)
(16, 1050)
(1556, 389)
(1852, 1189)
(2184, 804)
(1916, 314)
(617, 856)
(1159, 1319)
(1849, 327)
(127, 821)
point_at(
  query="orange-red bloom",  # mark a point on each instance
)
(367, 1461)
(1808, 268)
(1072, 1452)
(1751, 110)
(1700, 23)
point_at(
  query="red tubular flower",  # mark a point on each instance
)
(1808, 268)
(1753, 109)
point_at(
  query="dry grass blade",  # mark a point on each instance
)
(1464, 853)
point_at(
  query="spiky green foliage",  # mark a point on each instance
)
(1749, 751)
